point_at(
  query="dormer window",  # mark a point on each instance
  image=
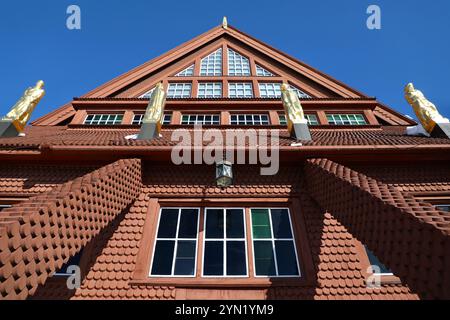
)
(238, 65)
(311, 118)
(137, 119)
(103, 119)
(346, 119)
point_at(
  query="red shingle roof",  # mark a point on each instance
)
(63, 136)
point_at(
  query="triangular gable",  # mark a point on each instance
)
(118, 85)
(138, 81)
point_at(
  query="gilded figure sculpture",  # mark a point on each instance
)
(426, 111)
(155, 109)
(292, 107)
(21, 112)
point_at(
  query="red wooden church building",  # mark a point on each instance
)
(77, 191)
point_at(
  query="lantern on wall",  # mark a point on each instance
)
(224, 174)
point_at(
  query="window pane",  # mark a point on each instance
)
(213, 258)
(374, 261)
(162, 259)
(264, 260)
(168, 223)
(261, 224)
(236, 264)
(286, 260)
(185, 260)
(444, 208)
(214, 224)
(188, 224)
(280, 224)
(235, 223)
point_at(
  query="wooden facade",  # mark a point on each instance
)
(75, 186)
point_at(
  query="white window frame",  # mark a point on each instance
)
(174, 86)
(272, 239)
(188, 72)
(301, 94)
(252, 122)
(140, 116)
(307, 116)
(204, 86)
(263, 72)
(239, 63)
(224, 241)
(196, 121)
(234, 86)
(109, 117)
(176, 239)
(316, 121)
(339, 119)
(273, 86)
(208, 64)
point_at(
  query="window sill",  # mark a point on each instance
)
(222, 282)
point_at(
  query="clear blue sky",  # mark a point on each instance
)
(116, 35)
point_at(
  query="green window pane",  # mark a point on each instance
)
(264, 259)
(261, 224)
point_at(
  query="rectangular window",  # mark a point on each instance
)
(225, 248)
(240, 90)
(312, 119)
(249, 119)
(137, 119)
(175, 252)
(346, 119)
(103, 119)
(274, 250)
(443, 207)
(210, 90)
(200, 119)
(179, 90)
(270, 90)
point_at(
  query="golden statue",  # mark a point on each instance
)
(426, 111)
(292, 107)
(155, 109)
(22, 110)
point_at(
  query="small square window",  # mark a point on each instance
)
(270, 90)
(210, 90)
